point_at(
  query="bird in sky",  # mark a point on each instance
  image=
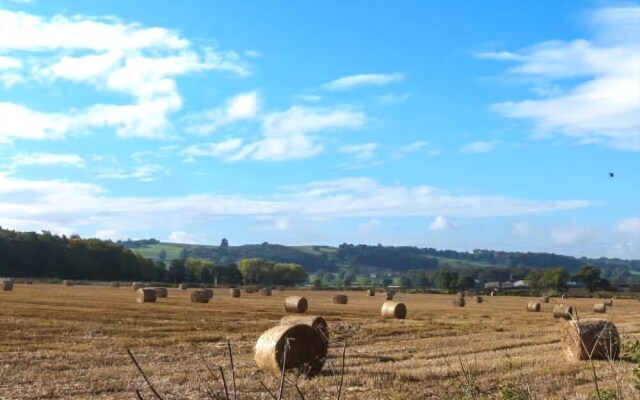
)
(610, 174)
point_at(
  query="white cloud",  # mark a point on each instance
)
(109, 55)
(598, 102)
(479, 147)
(521, 229)
(311, 98)
(252, 53)
(272, 224)
(46, 159)
(363, 151)
(410, 148)
(286, 135)
(392, 98)
(441, 223)
(369, 227)
(502, 56)
(20, 122)
(630, 226)
(108, 234)
(349, 82)
(36, 205)
(10, 63)
(570, 235)
(141, 173)
(243, 106)
(182, 237)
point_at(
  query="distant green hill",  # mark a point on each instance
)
(364, 258)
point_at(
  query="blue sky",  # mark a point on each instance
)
(447, 124)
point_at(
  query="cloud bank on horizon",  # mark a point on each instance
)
(118, 126)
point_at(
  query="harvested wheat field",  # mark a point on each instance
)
(70, 343)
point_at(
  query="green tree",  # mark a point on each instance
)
(536, 278)
(555, 278)
(590, 277)
(224, 246)
(348, 279)
(162, 255)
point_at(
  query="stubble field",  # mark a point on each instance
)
(70, 343)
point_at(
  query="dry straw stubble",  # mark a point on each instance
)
(305, 354)
(393, 309)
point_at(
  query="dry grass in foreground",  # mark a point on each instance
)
(70, 343)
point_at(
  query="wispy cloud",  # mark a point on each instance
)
(599, 99)
(243, 106)
(629, 226)
(140, 173)
(479, 147)
(46, 159)
(441, 223)
(352, 81)
(392, 98)
(38, 204)
(108, 55)
(365, 151)
(286, 135)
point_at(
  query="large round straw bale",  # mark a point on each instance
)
(234, 292)
(458, 302)
(296, 304)
(372, 292)
(306, 353)
(545, 299)
(266, 291)
(146, 295)
(183, 286)
(137, 285)
(479, 299)
(68, 282)
(600, 308)
(562, 311)
(115, 284)
(591, 338)
(7, 284)
(29, 281)
(340, 298)
(533, 306)
(161, 292)
(201, 295)
(281, 288)
(608, 302)
(388, 295)
(314, 321)
(248, 289)
(393, 309)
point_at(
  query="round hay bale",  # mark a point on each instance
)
(29, 281)
(564, 296)
(7, 284)
(183, 286)
(608, 302)
(545, 299)
(296, 304)
(161, 292)
(458, 302)
(248, 289)
(600, 308)
(281, 288)
(68, 282)
(201, 295)
(306, 353)
(137, 285)
(266, 291)
(115, 284)
(372, 292)
(597, 339)
(563, 311)
(234, 292)
(340, 298)
(533, 306)
(388, 296)
(393, 309)
(146, 295)
(461, 294)
(314, 321)
(479, 299)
